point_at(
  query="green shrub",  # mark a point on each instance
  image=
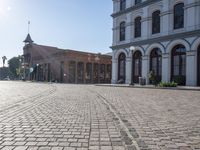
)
(180, 80)
(168, 84)
(152, 77)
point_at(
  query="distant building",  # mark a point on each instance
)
(158, 35)
(45, 63)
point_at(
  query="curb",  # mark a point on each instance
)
(156, 88)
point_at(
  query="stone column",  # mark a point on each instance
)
(165, 19)
(191, 68)
(129, 28)
(145, 24)
(128, 70)
(145, 68)
(190, 15)
(114, 71)
(115, 34)
(165, 68)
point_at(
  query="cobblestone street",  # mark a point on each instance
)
(43, 116)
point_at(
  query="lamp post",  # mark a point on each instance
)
(132, 49)
(37, 75)
(24, 66)
(20, 66)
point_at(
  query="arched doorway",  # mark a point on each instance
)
(156, 63)
(137, 66)
(198, 66)
(72, 72)
(122, 68)
(178, 64)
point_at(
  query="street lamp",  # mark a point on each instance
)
(132, 48)
(37, 72)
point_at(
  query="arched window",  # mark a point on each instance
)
(122, 31)
(156, 22)
(137, 66)
(137, 27)
(179, 16)
(96, 73)
(72, 72)
(122, 5)
(198, 66)
(178, 64)
(108, 73)
(138, 2)
(122, 67)
(102, 73)
(156, 63)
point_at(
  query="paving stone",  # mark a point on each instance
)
(21, 148)
(56, 116)
(8, 148)
(57, 148)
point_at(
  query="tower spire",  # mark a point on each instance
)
(29, 26)
(28, 39)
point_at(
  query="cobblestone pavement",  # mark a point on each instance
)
(36, 116)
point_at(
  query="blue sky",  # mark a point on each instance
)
(83, 25)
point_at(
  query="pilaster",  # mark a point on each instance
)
(191, 71)
(114, 71)
(145, 68)
(165, 68)
(128, 70)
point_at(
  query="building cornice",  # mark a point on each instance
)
(158, 39)
(135, 7)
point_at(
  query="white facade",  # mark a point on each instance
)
(168, 37)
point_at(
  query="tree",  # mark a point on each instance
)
(14, 64)
(4, 58)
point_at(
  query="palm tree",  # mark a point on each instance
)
(4, 58)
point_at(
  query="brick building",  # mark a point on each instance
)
(45, 63)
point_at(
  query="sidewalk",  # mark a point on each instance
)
(193, 88)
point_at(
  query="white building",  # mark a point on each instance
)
(159, 35)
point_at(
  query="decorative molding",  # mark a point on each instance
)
(166, 13)
(191, 5)
(165, 55)
(146, 19)
(191, 53)
(159, 39)
(135, 7)
(145, 57)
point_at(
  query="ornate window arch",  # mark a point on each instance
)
(138, 27)
(156, 63)
(122, 5)
(156, 22)
(178, 64)
(179, 16)
(137, 66)
(122, 32)
(122, 67)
